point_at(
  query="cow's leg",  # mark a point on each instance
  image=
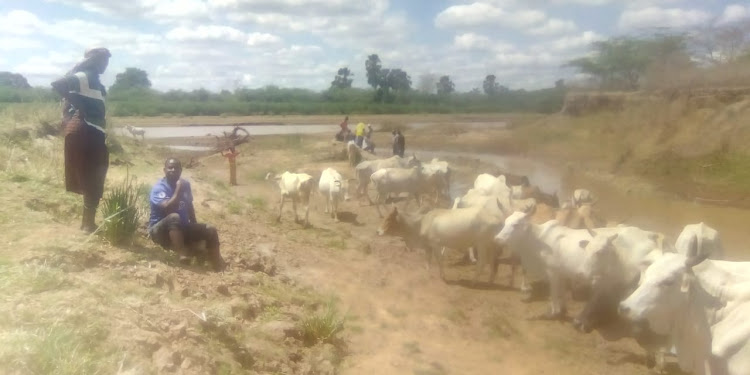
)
(294, 208)
(526, 289)
(328, 201)
(557, 296)
(306, 200)
(481, 262)
(492, 261)
(377, 204)
(281, 207)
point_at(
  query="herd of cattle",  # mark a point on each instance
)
(672, 297)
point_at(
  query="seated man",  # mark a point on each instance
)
(173, 224)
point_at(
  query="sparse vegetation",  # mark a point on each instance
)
(322, 326)
(120, 209)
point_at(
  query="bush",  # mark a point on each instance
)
(121, 211)
(322, 327)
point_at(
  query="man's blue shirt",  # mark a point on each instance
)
(161, 192)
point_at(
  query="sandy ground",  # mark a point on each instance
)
(404, 319)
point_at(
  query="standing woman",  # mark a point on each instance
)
(86, 154)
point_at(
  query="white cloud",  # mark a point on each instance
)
(633, 18)
(483, 14)
(734, 13)
(10, 43)
(19, 22)
(211, 33)
(471, 41)
(554, 27)
(572, 43)
(260, 39)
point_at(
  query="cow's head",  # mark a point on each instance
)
(663, 291)
(391, 223)
(600, 256)
(412, 161)
(515, 225)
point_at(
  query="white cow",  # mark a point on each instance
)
(486, 187)
(614, 271)
(436, 180)
(297, 187)
(365, 169)
(135, 131)
(708, 240)
(335, 189)
(395, 181)
(702, 305)
(557, 250)
(456, 229)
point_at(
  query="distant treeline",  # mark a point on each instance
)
(273, 100)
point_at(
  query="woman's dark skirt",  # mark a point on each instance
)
(86, 158)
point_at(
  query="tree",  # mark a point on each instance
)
(372, 66)
(395, 79)
(722, 44)
(427, 82)
(14, 80)
(131, 78)
(342, 80)
(445, 86)
(490, 86)
(622, 62)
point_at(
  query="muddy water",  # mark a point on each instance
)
(651, 212)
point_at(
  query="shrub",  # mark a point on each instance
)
(322, 327)
(121, 211)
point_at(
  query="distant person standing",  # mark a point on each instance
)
(399, 143)
(359, 132)
(369, 145)
(86, 154)
(394, 143)
(342, 136)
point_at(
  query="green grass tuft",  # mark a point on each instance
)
(322, 327)
(121, 212)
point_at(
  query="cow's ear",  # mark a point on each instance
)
(612, 237)
(583, 243)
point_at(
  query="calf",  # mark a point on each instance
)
(335, 189)
(297, 187)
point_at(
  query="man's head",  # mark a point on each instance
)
(172, 170)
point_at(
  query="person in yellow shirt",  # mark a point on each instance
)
(359, 132)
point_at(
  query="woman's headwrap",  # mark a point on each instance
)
(91, 57)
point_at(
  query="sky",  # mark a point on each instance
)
(227, 44)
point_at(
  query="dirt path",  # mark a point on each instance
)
(404, 319)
